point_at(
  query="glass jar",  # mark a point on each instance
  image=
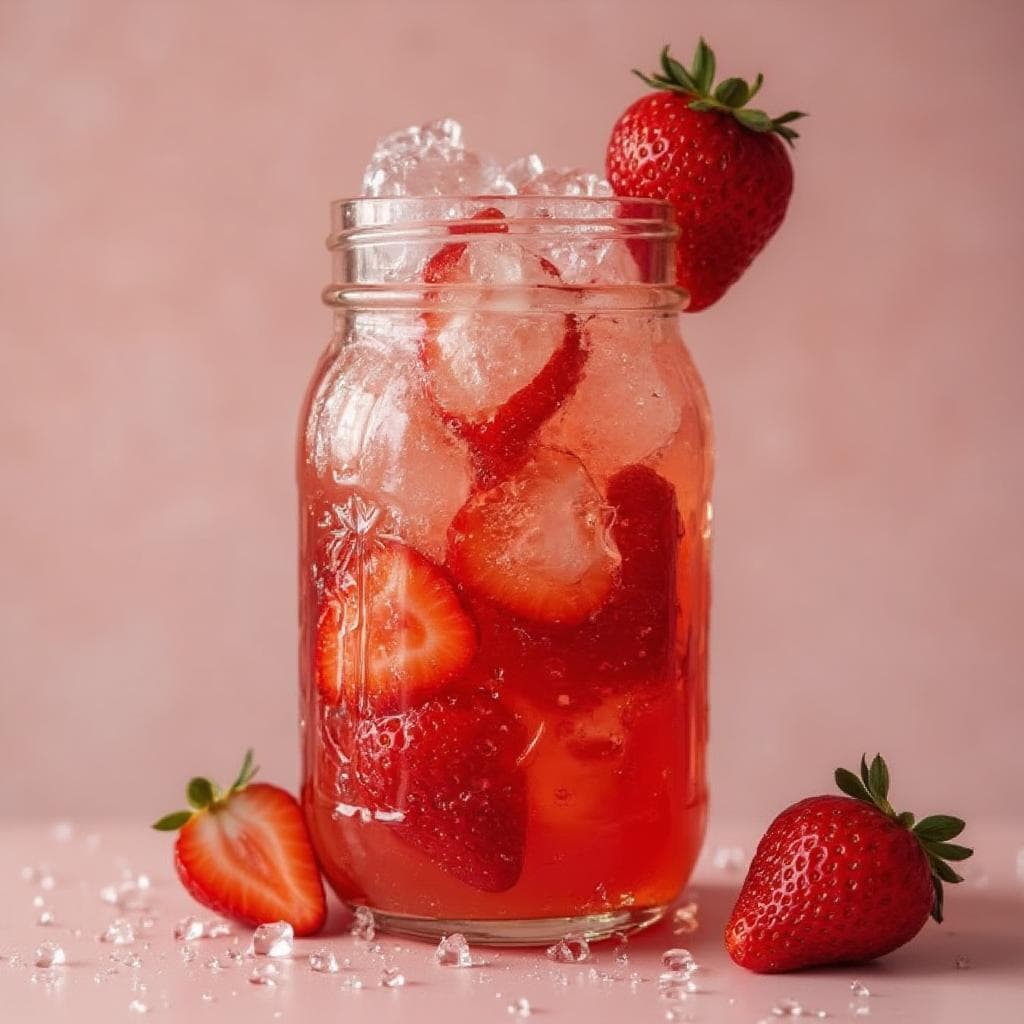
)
(504, 473)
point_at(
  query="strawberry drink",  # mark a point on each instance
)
(504, 479)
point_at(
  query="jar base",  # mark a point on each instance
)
(538, 931)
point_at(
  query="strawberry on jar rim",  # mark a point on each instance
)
(719, 163)
(842, 879)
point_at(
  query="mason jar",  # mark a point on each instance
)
(504, 471)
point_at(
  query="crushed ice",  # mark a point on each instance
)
(363, 924)
(188, 929)
(323, 961)
(520, 1008)
(265, 974)
(391, 977)
(119, 932)
(49, 954)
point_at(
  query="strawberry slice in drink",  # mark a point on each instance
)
(447, 775)
(538, 543)
(392, 627)
(500, 358)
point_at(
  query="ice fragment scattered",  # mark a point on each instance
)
(363, 925)
(46, 918)
(264, 974)
(188, 929)
(520, 1008)
(391, 977)
(275, 939)
(962, 962)
(216, 929)
(859, 991)
(49, 954)
(138, 1006)
(679, 961)
(323, 961)
(685, 919)
(453, 951)
(119, 932)
(573, 949)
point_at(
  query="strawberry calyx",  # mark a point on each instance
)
(730, 96)
(204, 795)
(933, 832)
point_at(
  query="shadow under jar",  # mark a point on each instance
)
(504, 473)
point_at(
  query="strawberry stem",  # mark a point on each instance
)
(933, 832)
(204, 795)
(730, 96)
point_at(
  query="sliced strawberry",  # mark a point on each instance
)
(499, 368)
(630, 641)
(538, 543)
(393, 626)
(246, 853)
(450, 769)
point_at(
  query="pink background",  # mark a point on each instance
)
(164, 176)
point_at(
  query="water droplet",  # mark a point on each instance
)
(188, 952)
(208, 997)
(276, 939)
(126, 958)
(520, 1008)
(138, 1006)
(188, 929)
(572, 949)
(453, 951)
(264, 974)
(859, 991)
(323, 961)
(49, 954)
(363, 925)
(46, 918)
(392, 977)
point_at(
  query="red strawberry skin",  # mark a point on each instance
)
(833, 881)
(251, 859)
(729, 186)
(450, 767)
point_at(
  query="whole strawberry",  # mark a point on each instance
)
(842, 879)
(719, 163)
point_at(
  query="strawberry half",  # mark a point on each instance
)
(538, 543)
(245, 853)
(450, 769)
(499, 368)
(720, 164)
(842, 879)
(398, 617)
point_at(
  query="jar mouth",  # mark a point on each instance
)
(374, 218)
(619, 250)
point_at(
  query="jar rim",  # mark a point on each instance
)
(632, 214)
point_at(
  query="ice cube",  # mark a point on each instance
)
(50, 954)
(119, 932)
(276, 939)
(216, 928)
(363, 925)
(674, 985)
(530, 177)
(480, 353)
(188, 928)
(629, 403)
(391, 977)
(373, 432)
(572, 949)
(859, 990)
(453, 951)
(431, 160)
(323, 961)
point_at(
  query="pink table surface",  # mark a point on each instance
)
(921, 983)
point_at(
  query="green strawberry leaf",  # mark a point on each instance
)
(199, 793)
(950, 851)
(939, 899)
(246, 773)
(733, 92)
(943, 870)
(172, 822)
(878, 774)
(852, 786)
(703, 67)
(938, 828)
